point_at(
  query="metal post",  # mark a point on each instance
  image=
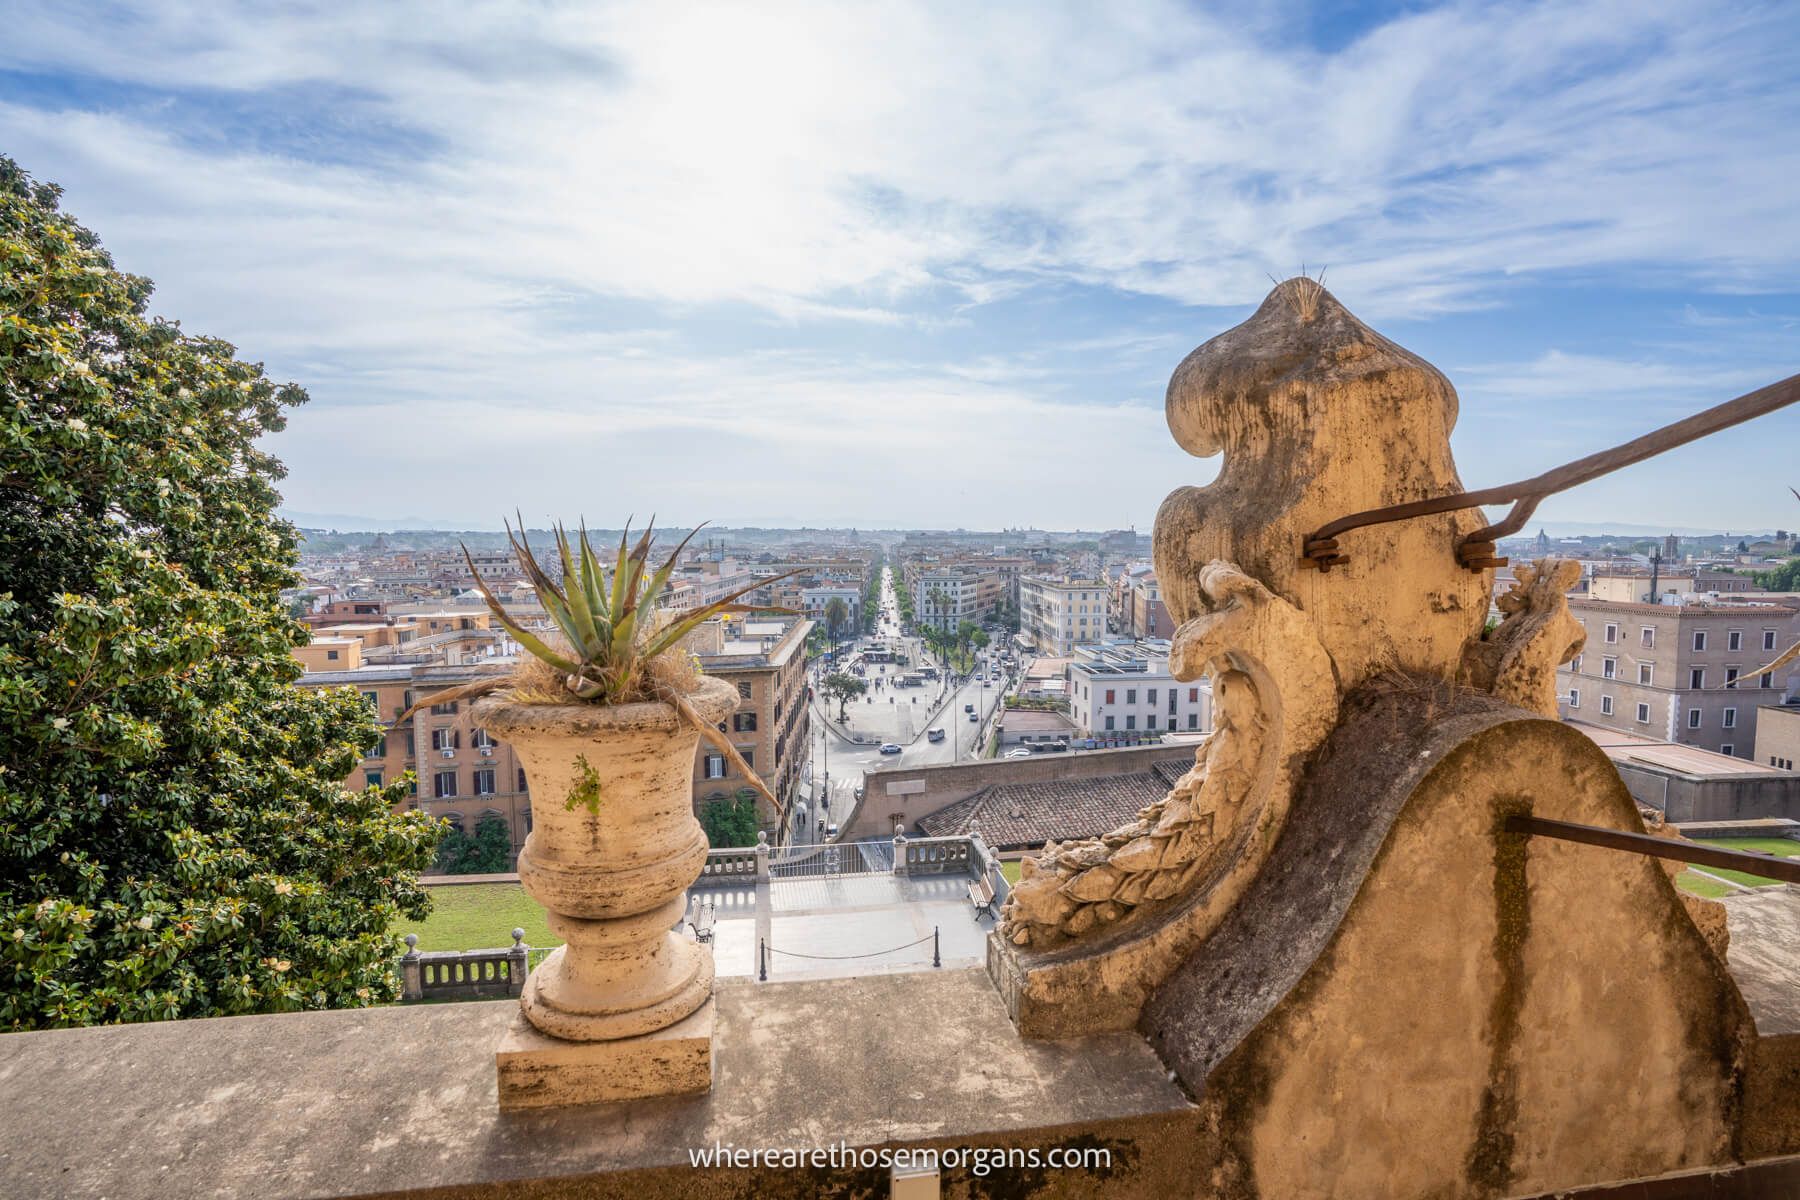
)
(762, 954)
(936, 959)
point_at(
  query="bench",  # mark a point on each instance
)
(981, 893)
(702, 924)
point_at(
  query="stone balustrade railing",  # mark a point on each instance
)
(934, 856)
(464, 974)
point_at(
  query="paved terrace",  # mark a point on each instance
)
(836, 912)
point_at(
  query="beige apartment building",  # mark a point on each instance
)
(765, 659)
(1683, 673)
(1634, 586)
(1057, 615)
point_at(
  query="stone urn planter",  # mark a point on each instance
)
(623, 1008)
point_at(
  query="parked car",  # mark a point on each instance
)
(890, 748)
(934, 735)
(1017, 752)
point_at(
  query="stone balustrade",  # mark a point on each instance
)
(464, 974)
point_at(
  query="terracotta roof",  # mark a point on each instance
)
(1014, 815)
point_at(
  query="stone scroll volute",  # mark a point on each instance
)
(1316, 416)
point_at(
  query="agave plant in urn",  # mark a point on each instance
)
(606, 713)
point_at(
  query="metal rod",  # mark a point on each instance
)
(1320, 548)
(762, 950)
(936, 959)
(1766, 866)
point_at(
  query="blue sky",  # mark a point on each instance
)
(908, 264)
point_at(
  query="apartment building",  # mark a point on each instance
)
(462, 773)
(1126, 687)
(815, 600)
(1685, 673)
(1056, 615)
(947, 596)
(1634, 586)
(765, 659)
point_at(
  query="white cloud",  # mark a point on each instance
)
(890, 167)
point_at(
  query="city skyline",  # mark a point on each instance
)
(726, 265)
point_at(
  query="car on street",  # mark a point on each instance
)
(974, 716)
(890, 748)
(935, 735)
(968, 708)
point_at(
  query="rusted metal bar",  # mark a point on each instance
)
(1767, 866)
(1476, 551)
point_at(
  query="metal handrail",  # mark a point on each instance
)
(1764, 866)
(1476, 551)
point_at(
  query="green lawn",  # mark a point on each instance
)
(477, 916)
(1010, 870)
(1785, 847)
(1700, 885)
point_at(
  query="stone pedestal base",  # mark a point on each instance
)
(538, 1071)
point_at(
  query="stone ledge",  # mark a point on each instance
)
(392, 1101)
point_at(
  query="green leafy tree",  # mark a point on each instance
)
(1785, 578)
(175, 836)
(487, 851)
(730, 821)
(843, 688)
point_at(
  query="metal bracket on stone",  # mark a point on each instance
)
(1477, 552)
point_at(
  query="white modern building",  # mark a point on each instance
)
(1059, 614)
(944, 599)
(815, 600)
(1125, 687)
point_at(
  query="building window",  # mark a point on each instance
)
(1612, 632)
(1727, 749)
(1643, 714)
(1131, 695)
(744, 722)
(1574, 697)
(1193, 695)
(715, 766)
(1647, 635)
(1768, 639)
(484, 782)
(445, 739)
(1606, 706)
(372, 778)
(1109, 695)
(1576, 664)
(1131, 720)
(1151, 696)
(373, 700)
(1697, 677)
(1645, 674)
(1731, 674)
(1193, 720)
(749, 756)
(443, 710)
(1693, 718)
(481, 739)
(1734, 640)
(453, 820)
(331, 656)
(443, 784)
(1729, 720)
(522, 786)
(744, 689)
(1109, 722)
(1768, 679)
(1609, 668)
(1699, 639)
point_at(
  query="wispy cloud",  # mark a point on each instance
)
(595, 216)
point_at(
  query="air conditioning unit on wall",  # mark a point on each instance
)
(449, 753)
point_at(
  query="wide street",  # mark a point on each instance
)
(889, 714)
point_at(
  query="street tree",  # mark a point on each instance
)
(843, 688)
(175, 836)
